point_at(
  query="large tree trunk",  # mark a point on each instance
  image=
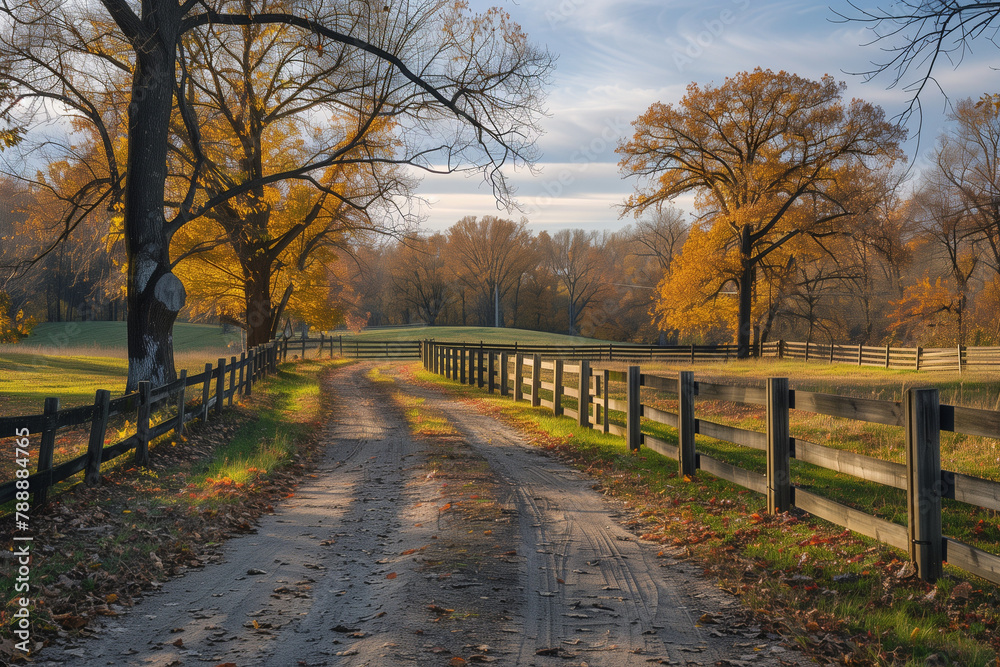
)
(155, 295)
(745, 296)
(261, 317)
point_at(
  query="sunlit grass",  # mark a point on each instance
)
(270, 441)
(472, 335)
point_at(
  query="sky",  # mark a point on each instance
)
(617, 57)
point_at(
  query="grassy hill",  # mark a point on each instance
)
(471, 335)
(107, 336)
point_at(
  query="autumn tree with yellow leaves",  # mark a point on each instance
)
(769, 157)
(462, 91)
(267, 251)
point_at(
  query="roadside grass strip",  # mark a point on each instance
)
(842, 596)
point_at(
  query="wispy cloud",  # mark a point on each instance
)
(617, 57)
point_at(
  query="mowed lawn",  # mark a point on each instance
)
(72, 360)
(66, 337)
(500, 336)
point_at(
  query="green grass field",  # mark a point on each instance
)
(51, 337)
(472, 335)
(72, 360)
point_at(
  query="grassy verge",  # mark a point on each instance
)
(98, 549)
(843, 597)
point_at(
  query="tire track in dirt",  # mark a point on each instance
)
(618, 603)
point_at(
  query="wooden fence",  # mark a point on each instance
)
(601, 352)
(917, 358)
(920, 414)
(956, 358)
(219, 385)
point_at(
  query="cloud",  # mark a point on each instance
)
(616, 57)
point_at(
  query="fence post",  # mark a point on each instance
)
(887, 356)
(232, 379)
(322, 343)
(180, 403)
(807, 351)
(536, 380)
(606, 381)
(472, 367)
(781, 349)
(557, 386)
(916, 362)
(98, 429)
(692, 353)
(634, 413)
(142, 424)
(686, 460)
(243, 365)
(45, 451)
(779, 482)
(341, 336)
(504, 374)
(861, 349)
(461, 366)
(924, 487)
(480, 367)
(206, 391)
(248, 390)
(491, 369)
(519, 376)
(597, 395)
(220, 385)
(583, 404)
(959, 359)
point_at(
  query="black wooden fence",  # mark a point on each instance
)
(219, 385)
(921, 415)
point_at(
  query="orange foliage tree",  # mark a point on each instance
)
(770, 157)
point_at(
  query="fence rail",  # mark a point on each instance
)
(957, 358)
(923, 418)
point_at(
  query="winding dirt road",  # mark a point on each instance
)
(365, 567)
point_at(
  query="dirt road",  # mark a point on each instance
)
(371, 564)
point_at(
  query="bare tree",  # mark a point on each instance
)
(490, 256)
(420, 276)
(464, 92)
(576, 258)
(917, 35)
(661, 236)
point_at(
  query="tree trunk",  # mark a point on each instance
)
(261, 322)
(745, 296)
(155, 294)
